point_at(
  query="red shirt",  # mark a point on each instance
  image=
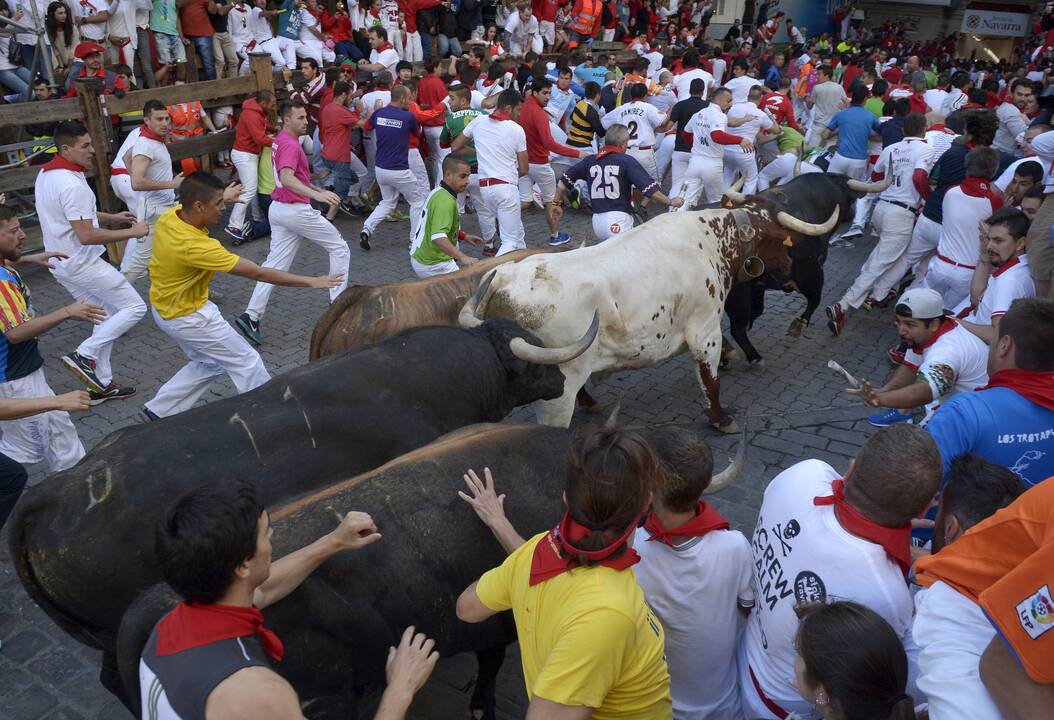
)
(410, 8)
(194, 18)
(338, 26)
(335, 128)
(893, 75)
(431, 92)
(535, 123)
(851, 71)
(781, 109)
(544, 10)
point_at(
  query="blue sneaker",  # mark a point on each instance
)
(560, 239)
(237, 233)
(890, 417)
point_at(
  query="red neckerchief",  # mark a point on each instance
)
(1016, 260)
(946, 327)
(706, 519)
(84, 72)
(499, 115)
(895, 541)
(977, 187)
(385, 46)
(608, 150)
(190, 626)
(556, 553)
(61, 163)
(149, 134)
(1031, 385)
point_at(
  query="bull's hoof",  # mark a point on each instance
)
(797, 326)
(727, 426)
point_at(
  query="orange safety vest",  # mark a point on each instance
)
(186, 120)
(587, 18)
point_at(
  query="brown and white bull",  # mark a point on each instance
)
(658, 290)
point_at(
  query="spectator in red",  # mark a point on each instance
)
(253, 133)
(851, 72)
(893, 74)
(197, 27)
(545, 11)
(778, 104)
(431, 92)
(336, 123)
(338, 25)
(90, 56)
(413, 51)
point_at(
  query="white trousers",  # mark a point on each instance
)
(435, 153)
(413, 51)
(291, 222)
(664, 155)
(417, 167)
(369, 144)
(951, 281)
(542, 176)
(394, 183)
(48, 436)
(952, 632)
(100, 283)
(704, 174)
(443, 268)
(609, 224)
(487, 222)
(122, 188)
(876, 278)
(283, 51)
(503, 202)
(248, 166)
(316, 51)
(646, 158)
(214, 348)
(776, 170)
(743, 164)
(856, 169)
(137, 252)
(678, 168)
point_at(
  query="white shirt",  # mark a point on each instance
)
(682, 82)
(956, 99)
(259, 26)
(83, 9)
(641, 119)
(126, 147)
(387, 57)
(238, 27)
(1012, 122)
(703, 123)
(498, 143)
(1044, 146)
(694, 588)
(663, 101)
(307, 23)
(159, 169)
(935, 98)
(1008, 175)
(654, 63)
(964, 207)
(520, 34)
(827, 98)
(939, 142)
(740, 87)
(953, 361)
(369, 100)
(1005, 285)
(900, 160)
(751, 128)
(62, 196)
(802, 554)
(796, 37)
(718, 65)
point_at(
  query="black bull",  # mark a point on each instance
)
(82, 541)
(337, 626)
(811, 197)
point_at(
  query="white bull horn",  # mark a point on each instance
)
(872, 187)
(556, 356)
(806, 228)
(468, 318)
(727, 476)
(733, 194)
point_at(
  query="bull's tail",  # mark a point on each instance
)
(19, 525)
(471, 314)
(352, 295)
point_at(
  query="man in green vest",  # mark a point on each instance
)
(434, 250)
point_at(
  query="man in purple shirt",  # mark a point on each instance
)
(292, 217)
(392, 126)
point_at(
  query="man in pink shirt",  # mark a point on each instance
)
(293, 218)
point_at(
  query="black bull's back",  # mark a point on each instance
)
(82, 541)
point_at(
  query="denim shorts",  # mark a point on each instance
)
(169, 48)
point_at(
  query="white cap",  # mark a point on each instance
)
(921, 303)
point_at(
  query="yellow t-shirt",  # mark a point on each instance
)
(587, 637)
(183, 263)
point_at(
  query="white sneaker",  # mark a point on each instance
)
(854, 231)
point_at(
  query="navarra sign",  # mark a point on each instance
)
(990, 22)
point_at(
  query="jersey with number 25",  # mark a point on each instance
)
(611, 177)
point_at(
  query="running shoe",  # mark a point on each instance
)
(490, 250)
(113, 391)
(397, 216)
(835, 319)
(559, 239)
(84, 369)
(576, 200)
(250, 328)
(890, 417)
(236, 233)
(364, 240)
(854, 231)
(146, 415)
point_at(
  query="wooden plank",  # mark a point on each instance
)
(43, 111)
(204, 145)
(23, 178)
(205, 90)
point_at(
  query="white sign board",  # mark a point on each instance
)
(991, 22)
(941, 3)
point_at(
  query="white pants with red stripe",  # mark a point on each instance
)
(48, 436)
(503, 202)
(704, 174)
(610, 224)
(951, 281)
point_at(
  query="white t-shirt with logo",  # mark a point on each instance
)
(803, 555)
(683, 82)
(159, 169)
(62, 196)
(900, 160)
(640, 117)
(953, 361)
(703, 123)
(1005, 285)
(740, 87)
(695, 589)
(498, 143)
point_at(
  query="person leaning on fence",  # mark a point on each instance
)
(253, 132)
(70, 225)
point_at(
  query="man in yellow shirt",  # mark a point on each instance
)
(184, 260)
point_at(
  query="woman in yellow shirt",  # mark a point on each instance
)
(591, 646)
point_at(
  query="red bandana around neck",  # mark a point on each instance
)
(706, 519)
(608, 150)
(1016, 260)
(1032, 385)
(895, 541)
(190, 626)
(149, 134)
(945, 327)
(500, 115)
(61, 163)
(385, 46)
(556, 553)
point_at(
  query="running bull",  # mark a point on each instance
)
(810, 197)
(82, 540)
(337, 626)
(660, 289)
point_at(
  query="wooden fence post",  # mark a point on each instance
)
(90, 92)
(260, 67)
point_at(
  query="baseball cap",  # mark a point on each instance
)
(86, 48)
(921, 303)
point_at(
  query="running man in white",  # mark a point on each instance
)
(181, 269)
(70, 225)
(643, 120)
(737, 160)
(292, 218)
(120, 179)
(706, 166)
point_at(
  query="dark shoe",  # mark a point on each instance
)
(835, 319)
(250, 328)
(869, 303)
(364, 240)
(84, 369)
(146, 415)
(490, 250)
(890, 298)
(237, 233)
(113, 391)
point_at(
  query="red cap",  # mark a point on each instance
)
(87, 48)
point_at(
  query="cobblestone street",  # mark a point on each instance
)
(793, 403)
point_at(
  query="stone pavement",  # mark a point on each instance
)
(794, 406)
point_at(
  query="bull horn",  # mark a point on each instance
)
(584, 243)
(733, 194)
(806, 228)
(872, 187)
(612, 422)
(468, 318)
(727, 476)
(556, 356)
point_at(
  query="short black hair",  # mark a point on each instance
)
(451, 162)
(199, 186)
(340, 87)
(66, 133)
(289, 106)
(901, 106)
(1030, 322)
(404, 65)
(697, 87)
(1030, 169)
(688, 463)
(858, 94)
(879, 87)
(591, 89)
(379, 32)
(509, 98)
(312, 62)
(976, 488)
(263, 96)
(539, 84)
(914, 124)
(638, 91)
(7, 212)
(205, 536)
(151, 105)
(1015, 221)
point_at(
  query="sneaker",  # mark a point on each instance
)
(396, 216)
(835, 319)
(854, 231)
(490, 250)
(367, 201)
(146, 415)
(576, 200)
(869, 303)
(895, 354)
(236, 233)
(364, 240)
(885, 302)
(84, 369)
(250, 328)
(559, 239)
(890, 417)
(113, 391)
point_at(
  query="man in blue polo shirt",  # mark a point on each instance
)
(854, 126)
(1010, 422)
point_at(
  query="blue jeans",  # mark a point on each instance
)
(203, 46)
(262, 228)
(17, 81)
(343, 177)
(44, 59)
(449, 46)
(12, 482)
(426, 42)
